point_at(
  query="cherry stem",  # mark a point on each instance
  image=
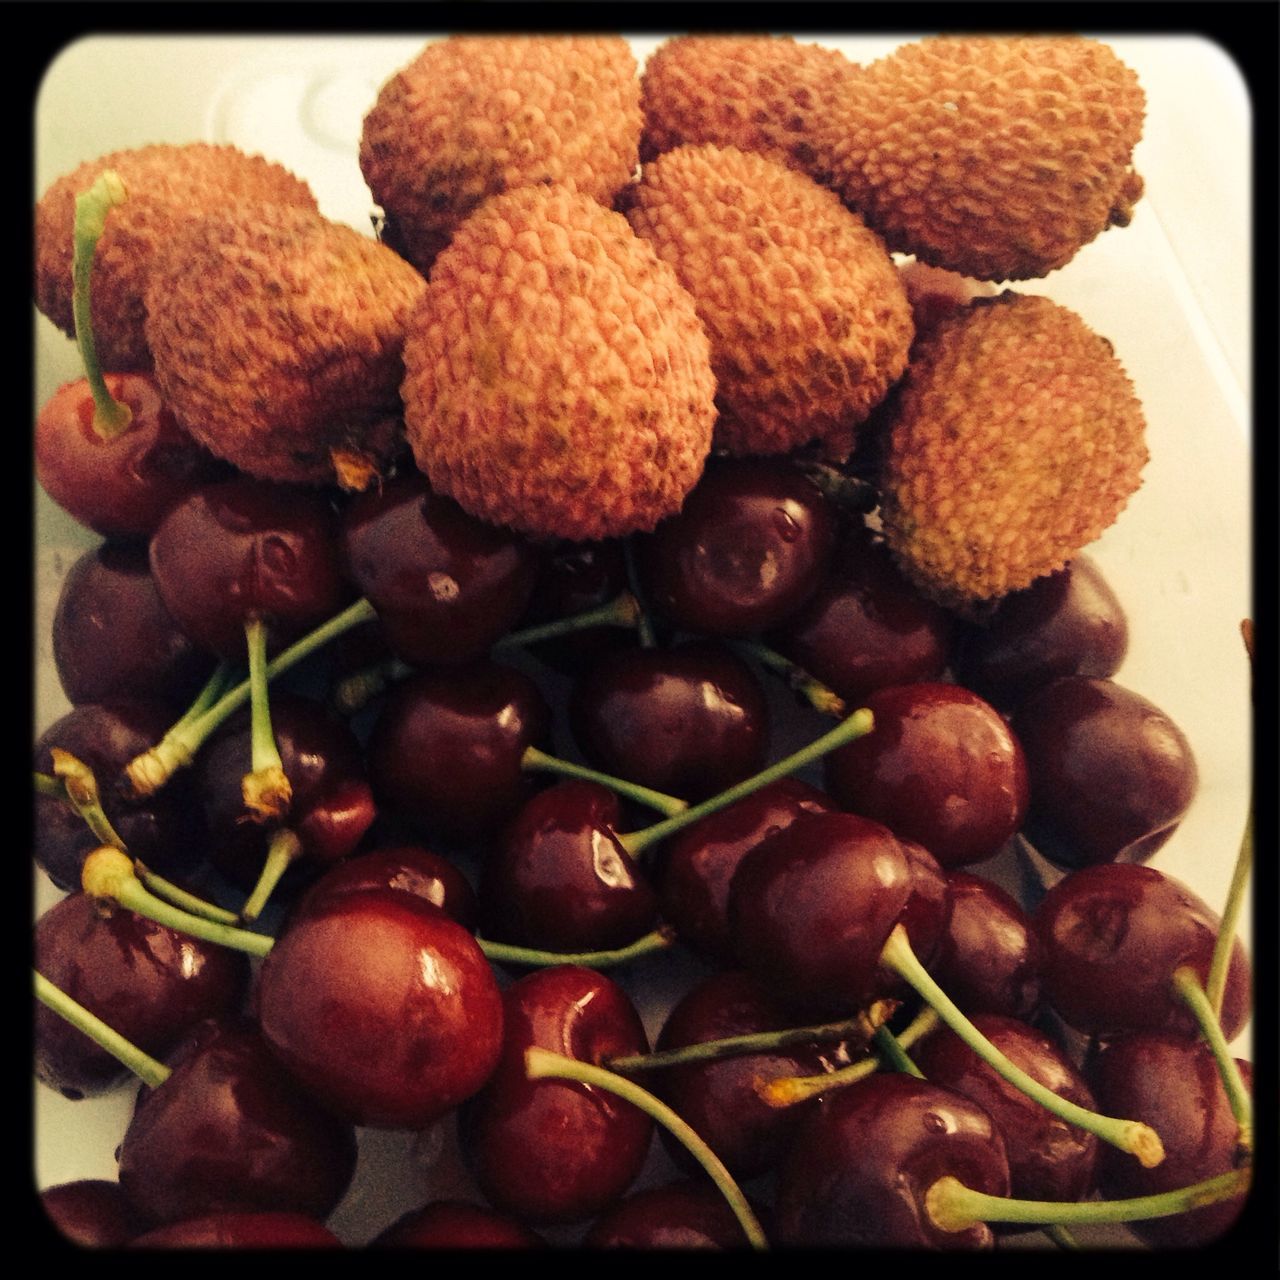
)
(1132, 1136)
(80, 790)
(266, 790)
(219, 681)
(622, 611)
(149, 771)
(170, 892)
(818, 695)
(1186, 982)
(1220, 963)
(536, 761)
(145, 1067)
(542, 1064)
(644, 623)
(283, 851)
(110, 416)
(952, 1206)
(854, 726)
(661, 939)
(894, 1055)
(786, 1091)
(109, 874)
(858, 1029)
(354, 692)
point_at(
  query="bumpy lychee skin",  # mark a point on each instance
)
(1016, 439)
(557, 378)
(998, 157)
(277, 340)
(167, 186)
(808, 318)
(768, 94)
(472, 116)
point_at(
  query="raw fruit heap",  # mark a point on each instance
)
(666, 452)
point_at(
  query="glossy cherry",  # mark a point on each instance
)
(866, 626)
(446, 748)
(91, 1213)
(120, 486)
(266, 1230)
(382, 1006)
(456, 1224)
(696, 865)
(682, 1215)
(560, 878)
(248, 549)
(113, 636)
(941, 768)
(1068, 623)
(1113, 936)
(146, 981)
(689, 720)
(1173, 1083)
(1111, 775)
(988, 959)
(1048, 1159)
(865, 1158)
(747, 548)
(445, 584)
(230, 1130)
(552, 1151)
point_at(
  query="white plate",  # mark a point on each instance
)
(1171, 292)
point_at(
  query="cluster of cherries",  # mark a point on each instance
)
(291, 923)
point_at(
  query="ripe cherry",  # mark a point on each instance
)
(680, 1215)
(266, 1230)
(91, 1213)
(455, 1224)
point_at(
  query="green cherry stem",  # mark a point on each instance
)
(1216, 986)
(148, 772)
(1186, 982)
(622, 611)
(810, 688)
(283, 851)
(858, 1029)
(893, 1054)
(110, 416)
(661, 939)
(110, 874)
(80, 790)
(644, 623)
(353, 693)
(853, 726)
(954, 1207)
(145, 1067)
(171, 892)
(536, 761)
(266, 789)
(542, 1064)
(1131, 1136)
(220, 680)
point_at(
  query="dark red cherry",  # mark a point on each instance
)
(114, 638)
(1068, 623)
(455, 1224)
(555, 1151)
(244, 549)
(91, 1213)
(719, 1099)
(165, 831)
(866, 626)
(988, 960)
(382, 1006)
(690, 720)
(747, 548)
(1048, 1158)
(940, 767)
(560, 878)
(1171, 1082)
(810, 910)
(332, 804)
(144, 980)
(697, 864)
(406, 868)
(446, 748)
(865, 1158)
(123, 486)
(1110, 774)
(266, 1230)
(680, 1215)
(230, 1130)
(1113, 936)
(444, 584)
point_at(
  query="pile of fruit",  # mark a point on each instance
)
(558, 672)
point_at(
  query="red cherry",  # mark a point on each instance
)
(268, 1230)
(677, 1215)
(91, 1213)
(383, 1007)
(454, 1224)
